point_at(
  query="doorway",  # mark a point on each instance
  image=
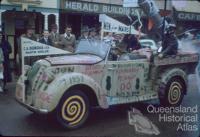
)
(15, 23)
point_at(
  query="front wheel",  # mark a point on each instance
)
(173, 93)
(73, 109)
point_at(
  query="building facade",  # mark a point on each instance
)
(86, 12)
(186, 14)
(82, 12)
(15, 15)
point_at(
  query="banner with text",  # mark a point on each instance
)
(112, 25)
(34, 48)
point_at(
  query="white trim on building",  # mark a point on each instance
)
(46, 14)
(1, 11)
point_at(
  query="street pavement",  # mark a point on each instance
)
(16, 120)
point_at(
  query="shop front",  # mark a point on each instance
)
(187, 20)
(16, 24)
(81, 13)
(16, 15)
(187, 15)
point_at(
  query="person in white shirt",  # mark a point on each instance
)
(68, 40)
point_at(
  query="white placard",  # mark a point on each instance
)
(130, 3)
(112, 25)
(34, 48)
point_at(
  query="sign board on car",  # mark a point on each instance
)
(111, 25)
(33, 48)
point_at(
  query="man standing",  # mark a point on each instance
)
(30, 34)
(93, 34)
(54, 35)
(68, 40)
(6, 49)
(84, 33)
(45, 39)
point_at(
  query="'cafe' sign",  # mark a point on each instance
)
(188, 16)
(80, 6)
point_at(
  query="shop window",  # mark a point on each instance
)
(51, 20)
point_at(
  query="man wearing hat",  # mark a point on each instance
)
(93, 34)
(30, 29)
(54, 35)
(84, 33)
(30, 33)
(170, 42)
(68, 40)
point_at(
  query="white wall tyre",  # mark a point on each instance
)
(73, 109)
(174, 93)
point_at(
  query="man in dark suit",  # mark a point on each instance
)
(45, 39)
(84, 33)
(54, 35)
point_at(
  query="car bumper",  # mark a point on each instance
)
(31, 108)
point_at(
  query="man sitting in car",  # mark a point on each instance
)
(170, 42)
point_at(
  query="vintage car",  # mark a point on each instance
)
(94, 76)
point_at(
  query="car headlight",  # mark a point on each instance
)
(48, 77)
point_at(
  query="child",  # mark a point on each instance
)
(1, 70)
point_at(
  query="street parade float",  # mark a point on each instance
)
(100, 74)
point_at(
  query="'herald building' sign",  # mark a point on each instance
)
(80, 6)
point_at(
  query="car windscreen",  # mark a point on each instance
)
(95, 47)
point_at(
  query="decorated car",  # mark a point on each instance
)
(94, 76)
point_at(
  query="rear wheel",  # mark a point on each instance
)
(174, 93)
(73, 109)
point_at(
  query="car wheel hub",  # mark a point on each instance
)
(73, 109)
(174, 93)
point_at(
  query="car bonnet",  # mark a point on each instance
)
(74, 59)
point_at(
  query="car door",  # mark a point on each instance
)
(125, 80)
